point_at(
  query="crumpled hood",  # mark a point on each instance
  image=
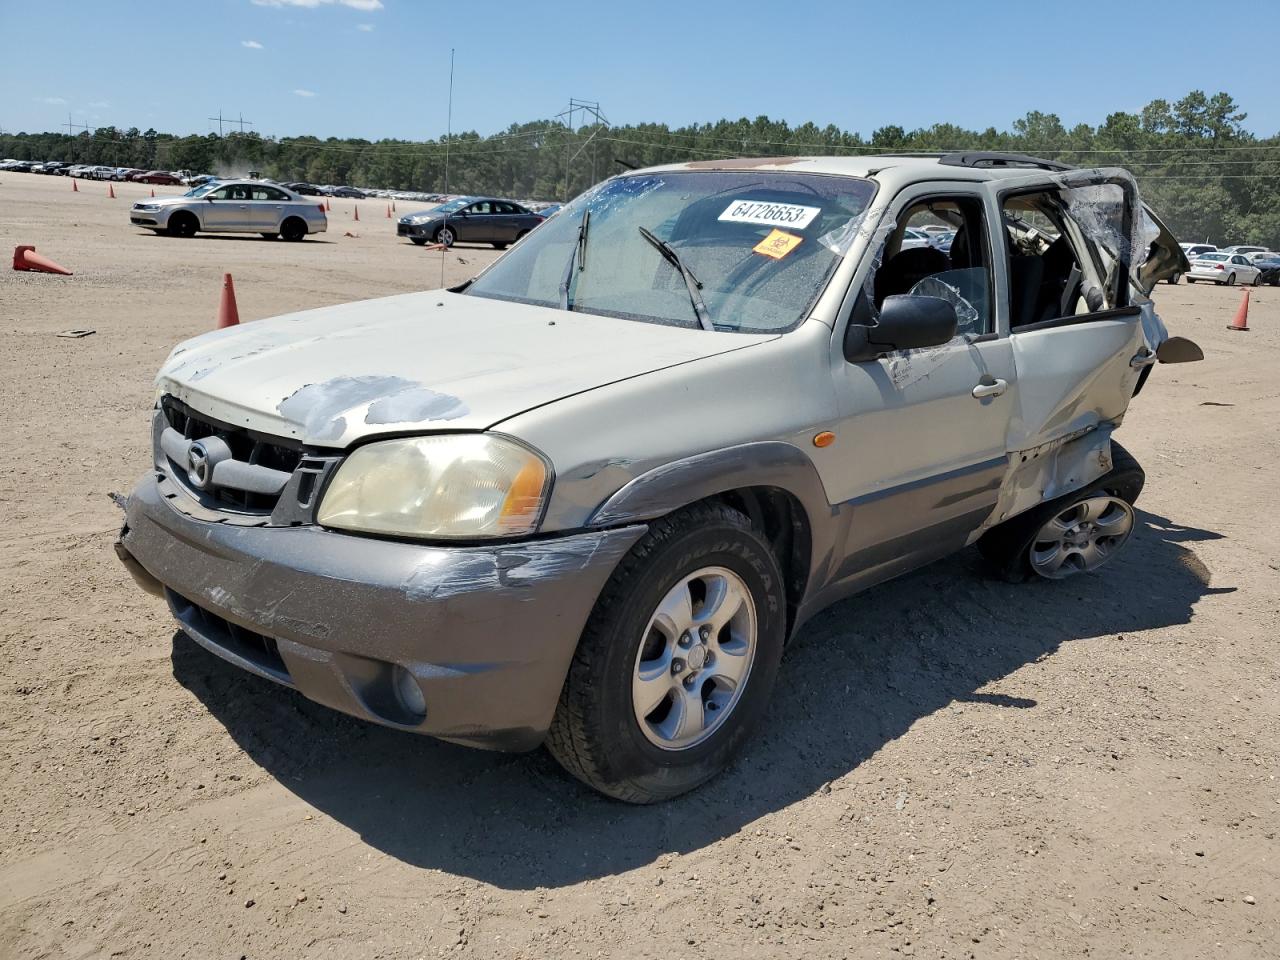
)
(420, 361)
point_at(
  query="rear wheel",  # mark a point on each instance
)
(1231, 279)
(521, 235)
(293, 229)
(678, 660)
(1174, 278)
(183, 224)
(1257, 279)
(500, 246)
(1074, 534)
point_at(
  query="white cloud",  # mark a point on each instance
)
(304, 93)
(366, 5)
(366, 27)
(99, 104)
(251, 44)
(56, 101)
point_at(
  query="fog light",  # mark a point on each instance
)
(409, 693)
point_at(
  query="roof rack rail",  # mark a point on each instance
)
(983, 159)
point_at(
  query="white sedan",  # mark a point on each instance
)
(1228, 268)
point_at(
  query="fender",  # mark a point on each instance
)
(770, 463)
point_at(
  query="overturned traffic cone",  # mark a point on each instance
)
(75, 187)
(1241, 321)
(355, 214)
(111, 192)
(228, 315)
(26, 258)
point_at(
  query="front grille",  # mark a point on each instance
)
(258, 649)
(246, 446)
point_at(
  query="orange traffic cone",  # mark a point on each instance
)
(1241, 321)
(388, 211)
(355, 215)
(327, 207)
(111, 192)
(153, 191)
(26, 258)
(75, 187)
(228, 315)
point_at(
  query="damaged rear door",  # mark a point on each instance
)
(1081, 327)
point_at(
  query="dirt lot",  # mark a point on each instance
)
(952, 767)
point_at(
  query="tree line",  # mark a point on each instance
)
(1197, 165)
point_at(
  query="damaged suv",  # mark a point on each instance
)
(586, 498)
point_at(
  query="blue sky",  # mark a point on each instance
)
(375, 68)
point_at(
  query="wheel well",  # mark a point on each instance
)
(782, 518)
(180, 215)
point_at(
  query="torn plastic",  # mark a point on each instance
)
(841, 240)
(1098, 210)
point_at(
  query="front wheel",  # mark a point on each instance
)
(677, 661)
(445, 236)
(1076, 533)
(183, 224)
(1174, 278)
(1257, 280)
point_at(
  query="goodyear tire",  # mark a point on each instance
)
(661, 694)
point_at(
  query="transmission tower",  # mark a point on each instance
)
(587, 109)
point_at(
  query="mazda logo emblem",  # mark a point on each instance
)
(198, 465)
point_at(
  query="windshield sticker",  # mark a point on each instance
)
(777, 244)
(770, 214)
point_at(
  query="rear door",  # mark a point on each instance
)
(267, 207)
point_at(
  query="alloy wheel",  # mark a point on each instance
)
(1082, 537)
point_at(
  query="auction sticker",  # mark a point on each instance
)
(770, 214)
(777, 244)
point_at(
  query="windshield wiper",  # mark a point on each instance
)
(579, 256)
(690, 281)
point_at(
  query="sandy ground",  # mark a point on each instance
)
(952, 767)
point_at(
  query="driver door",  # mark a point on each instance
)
(921, 449)
(227, 208)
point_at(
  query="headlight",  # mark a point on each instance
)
(461, 486)
(148, 206)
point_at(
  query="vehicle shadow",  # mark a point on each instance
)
(856, 678)
(234, 237)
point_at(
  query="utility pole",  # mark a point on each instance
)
(72, 127)
(229, 121)
(586, 108)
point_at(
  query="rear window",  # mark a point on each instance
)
(1213, 256)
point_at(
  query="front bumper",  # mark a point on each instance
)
(486, 632)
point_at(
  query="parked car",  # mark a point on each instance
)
(351, 193)
(469, 220)
(1259, 255)
(1243, 249)
(913, 238)
(587, 497)
(237, 206)
(157, 177)
(306, 189)
(1223, 268)
(1195, 249)
(1269, 269)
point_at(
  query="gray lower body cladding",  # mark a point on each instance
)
(487, 633)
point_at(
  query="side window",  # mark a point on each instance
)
(1062, 249)
(268, 193)
(938, 248)
(479, 208)
(222, 193)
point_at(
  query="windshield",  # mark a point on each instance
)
(761, 245)
(201, 190)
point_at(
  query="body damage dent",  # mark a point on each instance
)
(321, 409)
(1050, 470)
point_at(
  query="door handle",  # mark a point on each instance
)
(1143, 358)
(992, 389)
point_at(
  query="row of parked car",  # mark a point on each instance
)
(1241, 263)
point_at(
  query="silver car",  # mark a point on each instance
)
(586, 498)
(235, 206)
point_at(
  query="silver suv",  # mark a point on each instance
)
(234, 206)
(587, 497)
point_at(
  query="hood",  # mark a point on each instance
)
(417, 362)
(164, 201)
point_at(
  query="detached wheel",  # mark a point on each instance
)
(678, 660)
(1077, 533)
(293, 230)
(446, 236)
(183, 224)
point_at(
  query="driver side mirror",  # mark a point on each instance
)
(906, 323)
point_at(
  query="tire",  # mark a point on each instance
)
(293, 230)
(500, 246)
(1231, 279)
(1189, 280)
(521, 235)
(446, 236)
(1257, 280)
(597, 734)
(1174, 279)
(270, 236)
(418, 241)
(1009, 548)
(183, 224)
